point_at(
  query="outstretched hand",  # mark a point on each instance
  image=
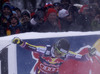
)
(17, 40)
(92, 51)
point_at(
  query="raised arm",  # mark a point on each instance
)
(87, 53)
(28, 46)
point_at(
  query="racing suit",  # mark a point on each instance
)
(47, 63)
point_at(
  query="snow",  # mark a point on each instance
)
(36, 35)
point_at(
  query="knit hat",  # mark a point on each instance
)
(48, 5)
(63, 13)
(82, 8)
(51, 10)
(14, 12)
(26, 12)
(7, 5)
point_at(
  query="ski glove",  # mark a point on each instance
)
(17, 40)
(92, 51)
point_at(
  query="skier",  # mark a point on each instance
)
(51, 57)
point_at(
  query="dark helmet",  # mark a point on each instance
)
(62, 44)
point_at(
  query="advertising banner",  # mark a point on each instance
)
(26, 62)
(50, 53)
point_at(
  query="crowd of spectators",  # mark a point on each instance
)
(52, 17)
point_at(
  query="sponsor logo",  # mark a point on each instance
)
(48, 69)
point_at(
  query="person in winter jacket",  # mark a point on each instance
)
(18, 11)
(52, 23)
(51, 57)
(63, 14)
(96, 23)
(37, 19)
(5, 16)
(84, 18)
(15, 26)
(25, 20)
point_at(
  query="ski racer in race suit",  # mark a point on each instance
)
(51, 57)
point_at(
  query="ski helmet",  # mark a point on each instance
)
(62, 45)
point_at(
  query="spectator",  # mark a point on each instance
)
(27, 26)
(38, 16)
(15, 26)
(38, 19)
(46, 7)
(74, 26)
(14, 14)
(5, 16)
(2, 31)
(63, 15)
(94, 9)
(84, 19)
(57, 6)
(25, 16)
(73, 10)
(18, 11)
(52, 24)
(97, 3)
(46, 19)
(69, 21)
(96, 23)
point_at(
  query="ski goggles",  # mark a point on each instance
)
(61, 51)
